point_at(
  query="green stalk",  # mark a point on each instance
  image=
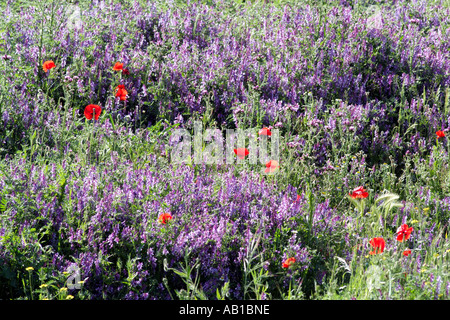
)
(311, 211)
(30, 284)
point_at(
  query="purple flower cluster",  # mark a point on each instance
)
(337, 83)
(388, 69)
(100, 216)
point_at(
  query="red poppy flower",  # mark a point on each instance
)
(89, 111)
(121, 92)
(407, 252)
(241, 152)
(378, 245)
(164, 218)
(48, 65)
(440, 134)
(265, 132)
(359, 192)
(125, 71)
(288, 262)
(118, 66)
(403, 232)
(271, 166)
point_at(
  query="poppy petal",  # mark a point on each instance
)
(118, 66)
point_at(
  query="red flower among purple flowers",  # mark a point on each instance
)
(403, 232)
(288, 262)
(48, 65)
(121, 92)
(164, 217)
(359, 193)
(92, 109)
(241, 152)
(378, 245)
(118, 66)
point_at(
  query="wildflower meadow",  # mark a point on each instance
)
(225, 150)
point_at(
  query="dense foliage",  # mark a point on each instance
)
(358, 89)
